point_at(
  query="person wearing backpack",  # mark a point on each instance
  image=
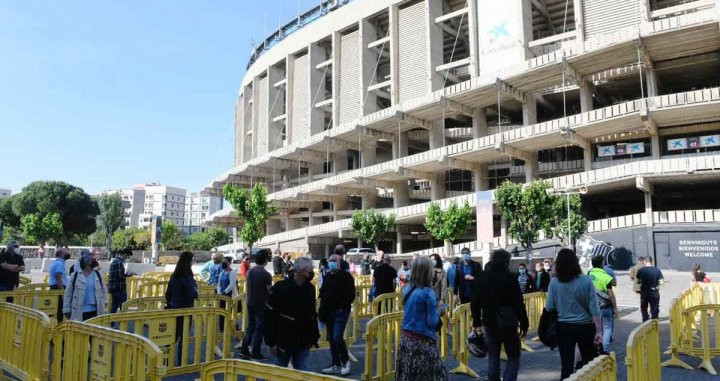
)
(603, 283)
(498, 309)
(86, 296)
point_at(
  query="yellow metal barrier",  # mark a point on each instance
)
(711, 294)
(133, 286)
(461, 325)
(362, 300)
(705, 347)
(152, 288)
(24, 280)
(643, 353)
(534, 304)
(386, 303)
(103, 354)
(252, 371)
(25, 342)
(363, 280)
(692, 296)
(44, 301)
(452, 300)
(603, 368)
(383, 333)
(185, 327)
(34, 287)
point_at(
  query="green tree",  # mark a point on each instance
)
(533, 209)
(130, 239)
(171, 236)
(141, 238)
(449, 224)
(112, 215)
(253, 208)
(217, 236)
(77, 211)
(371, 225)
(42, 229)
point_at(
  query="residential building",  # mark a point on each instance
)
(198, 207)
(165, 201)
(393, 104)
(5, 192)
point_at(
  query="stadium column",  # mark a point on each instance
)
(529, 112)
(586, 105)
(394, 68)
(289, 84)
(434, 44)
(275, 108)
(474, 39)
(579, 18)
(335, 56)
(339, 161)
(317, 83)
(437, 182)
(369, 197)
(400, 146)
(398, 243)
(272, 226)
(480, 129)
(368, 60)
(401, 193)
(339, 203)
(652, 91)
(368, 155)
(291, 223)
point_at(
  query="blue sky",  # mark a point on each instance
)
(107, 94)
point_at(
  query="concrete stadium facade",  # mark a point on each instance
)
(391, 104)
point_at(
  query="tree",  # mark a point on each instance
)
(253, 208)
(77, 211)
(531, 209)
(112, 215)
(448, 225)
(141, 238)
(123, 239)
(41, 229)
(171, 236)
(213, 237)
(217, 236)
(370, 225)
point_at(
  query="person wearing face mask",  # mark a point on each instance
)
(524, 279)
(542, 275)
(226, 285)
(86, 295)
(291, 324)
(117, 285)
(336, 297)
(257, 284)
(11, 265)
(58, 277)
(465, 273)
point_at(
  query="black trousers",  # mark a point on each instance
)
(651, 298)
(569, 335)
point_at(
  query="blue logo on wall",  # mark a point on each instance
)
(677, 144)
(635, 147)
(499, 30)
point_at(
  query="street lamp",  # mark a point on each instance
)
(567, 192)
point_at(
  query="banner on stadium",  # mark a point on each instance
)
(621, 149)
(693, 142)
(500, 34)
(484, 216)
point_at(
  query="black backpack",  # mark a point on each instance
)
(547, 329)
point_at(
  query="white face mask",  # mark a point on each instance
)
(16, 250)
(546, 267)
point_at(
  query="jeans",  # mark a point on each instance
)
(254, 331)
(653, 299)
(118, 298)
(298, 356)
(569, 335)
(494, 338)
(7, 288)
(89, 315)
(335, 335)
(608, 323)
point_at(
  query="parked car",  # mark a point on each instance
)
(361, 251)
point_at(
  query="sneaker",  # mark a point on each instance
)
(245, 354)
(345, 370)
(332, 370)
(218, 352)
(238, 345)
(258, 357)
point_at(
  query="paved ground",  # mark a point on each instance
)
(544, 364)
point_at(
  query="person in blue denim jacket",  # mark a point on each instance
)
(418, 357)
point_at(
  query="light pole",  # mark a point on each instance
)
(567, 192)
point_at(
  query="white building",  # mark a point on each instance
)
(198, 207)
(392, 104)
(165, 201)
(5, 193)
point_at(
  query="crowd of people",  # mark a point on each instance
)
(287, 318)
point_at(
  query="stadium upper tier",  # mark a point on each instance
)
(390, 104)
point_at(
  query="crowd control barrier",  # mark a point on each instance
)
(44, 301)
(362, 301)
(32, 287)
(534, 304)
(25, 342)
(103, 354)
(386, 303)
(152, 288)
(363, 280)
(692, 296)
(383, 333)
(251, 371)
(705, 347)
(461, 322)
(643, 352)
(187, 337)
(24, 280)
(602, 368)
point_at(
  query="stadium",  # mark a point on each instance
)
(392, 104)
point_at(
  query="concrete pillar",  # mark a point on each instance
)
(579, 12)
(316, 168)
(289, 99)
(340, 161)
(272, 226)
(401, 194)
(275, 101)
(394, 68)
(339, 204)
(317, 207)
(369, 197)
(526, 19)
(291, 223)
(529, 110)
(651, 82)
(317, 81)
(437, 138)
(655, 146)
(400, 146)
(481, 179)
(531, 169)
(336, 46)
(368, 59)
(327, 250)
(434, 45)
(368, 155)
(398, 243)
(586, 99)
(479, 123)
(648, 209)
(474, 38)
(437, 186)
(503, 232)
(587, 159)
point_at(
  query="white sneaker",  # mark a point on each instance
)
(218, 352)
(332, 370)
(345, 370)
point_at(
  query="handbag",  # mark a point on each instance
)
(706, 280)
(547, 329)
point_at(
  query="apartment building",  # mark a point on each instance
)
(4, 192)
(165, 201)
(392, 104)
(198, 208)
